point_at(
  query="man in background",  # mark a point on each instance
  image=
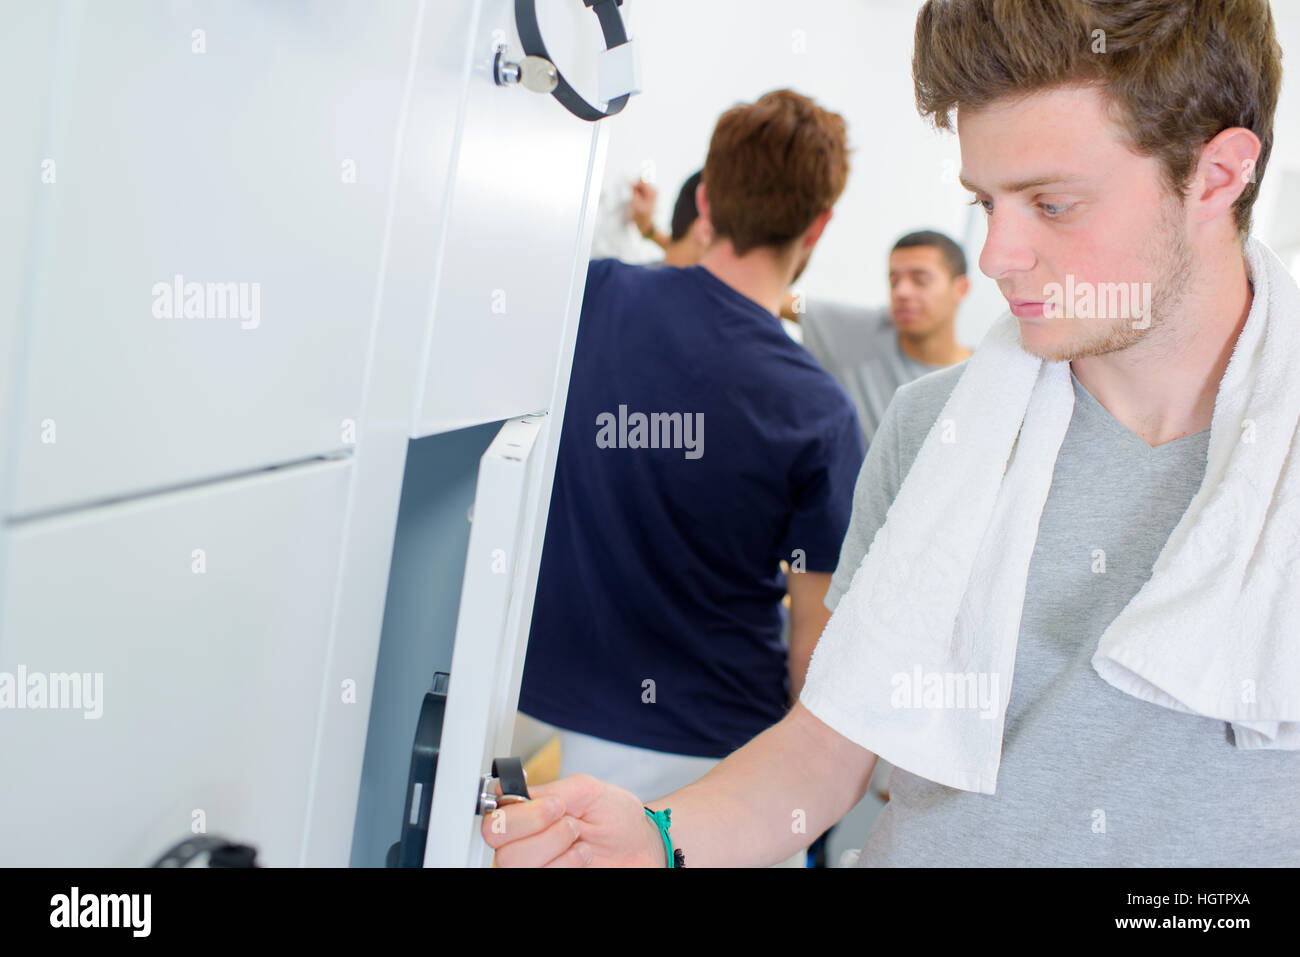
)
(656, 634)
(691, 235)
(871, 352)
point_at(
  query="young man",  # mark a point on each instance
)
(1109, 143)
(872, 352)
(701, 448)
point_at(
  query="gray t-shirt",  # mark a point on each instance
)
(860, 348)
(1090, 776)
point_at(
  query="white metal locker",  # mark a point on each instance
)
(361, 167)
(512, 226)
(206, 612)
(247, 144)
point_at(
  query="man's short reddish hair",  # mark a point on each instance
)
(773, 167)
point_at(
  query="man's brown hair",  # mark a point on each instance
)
(773, 167)
(1175, 73)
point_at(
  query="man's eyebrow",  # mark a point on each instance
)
(1023, 184)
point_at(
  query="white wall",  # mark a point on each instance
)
(853, 57)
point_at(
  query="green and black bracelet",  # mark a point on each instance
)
(663, 821)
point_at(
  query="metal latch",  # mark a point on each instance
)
(532, 72)
(509, 773)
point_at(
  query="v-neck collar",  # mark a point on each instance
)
(1086, 402)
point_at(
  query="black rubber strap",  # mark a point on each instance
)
(611, 25)
(510, 772)
(221, 852)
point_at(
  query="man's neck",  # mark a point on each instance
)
(940, 348)
(681, 254)
(761, 274)
(1165, 386)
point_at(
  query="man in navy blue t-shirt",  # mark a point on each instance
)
(701, 448)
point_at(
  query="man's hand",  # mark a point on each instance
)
(643, 205)
(577, 821)
(737, 815)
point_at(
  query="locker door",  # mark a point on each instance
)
(491, 637)
(513, 229)
(205, 615)
(240, 154)
(435, 88)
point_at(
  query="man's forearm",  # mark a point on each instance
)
(771, 798)
(808, 618)
(645, 226)
(798, 661)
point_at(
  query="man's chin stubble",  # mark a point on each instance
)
(1114, 339)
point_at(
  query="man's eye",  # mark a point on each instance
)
(981, 202)
(1054, 209)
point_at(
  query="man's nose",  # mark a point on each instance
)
(1006, 249)
(903, 289)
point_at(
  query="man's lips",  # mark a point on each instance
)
(1026, 308)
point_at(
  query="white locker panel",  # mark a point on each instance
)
(435, 91)
(240, 143)
(488, 656)
(211, 682)
(27, 46)
(513, 229)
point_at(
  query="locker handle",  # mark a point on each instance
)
(221, 852)
(409, 851)
(514, 790)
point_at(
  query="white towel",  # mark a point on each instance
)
(916, 662)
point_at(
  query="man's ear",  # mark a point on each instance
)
(818, 226)
(702, 202)
(962, 286)
(1225, 169)
(702, 231)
